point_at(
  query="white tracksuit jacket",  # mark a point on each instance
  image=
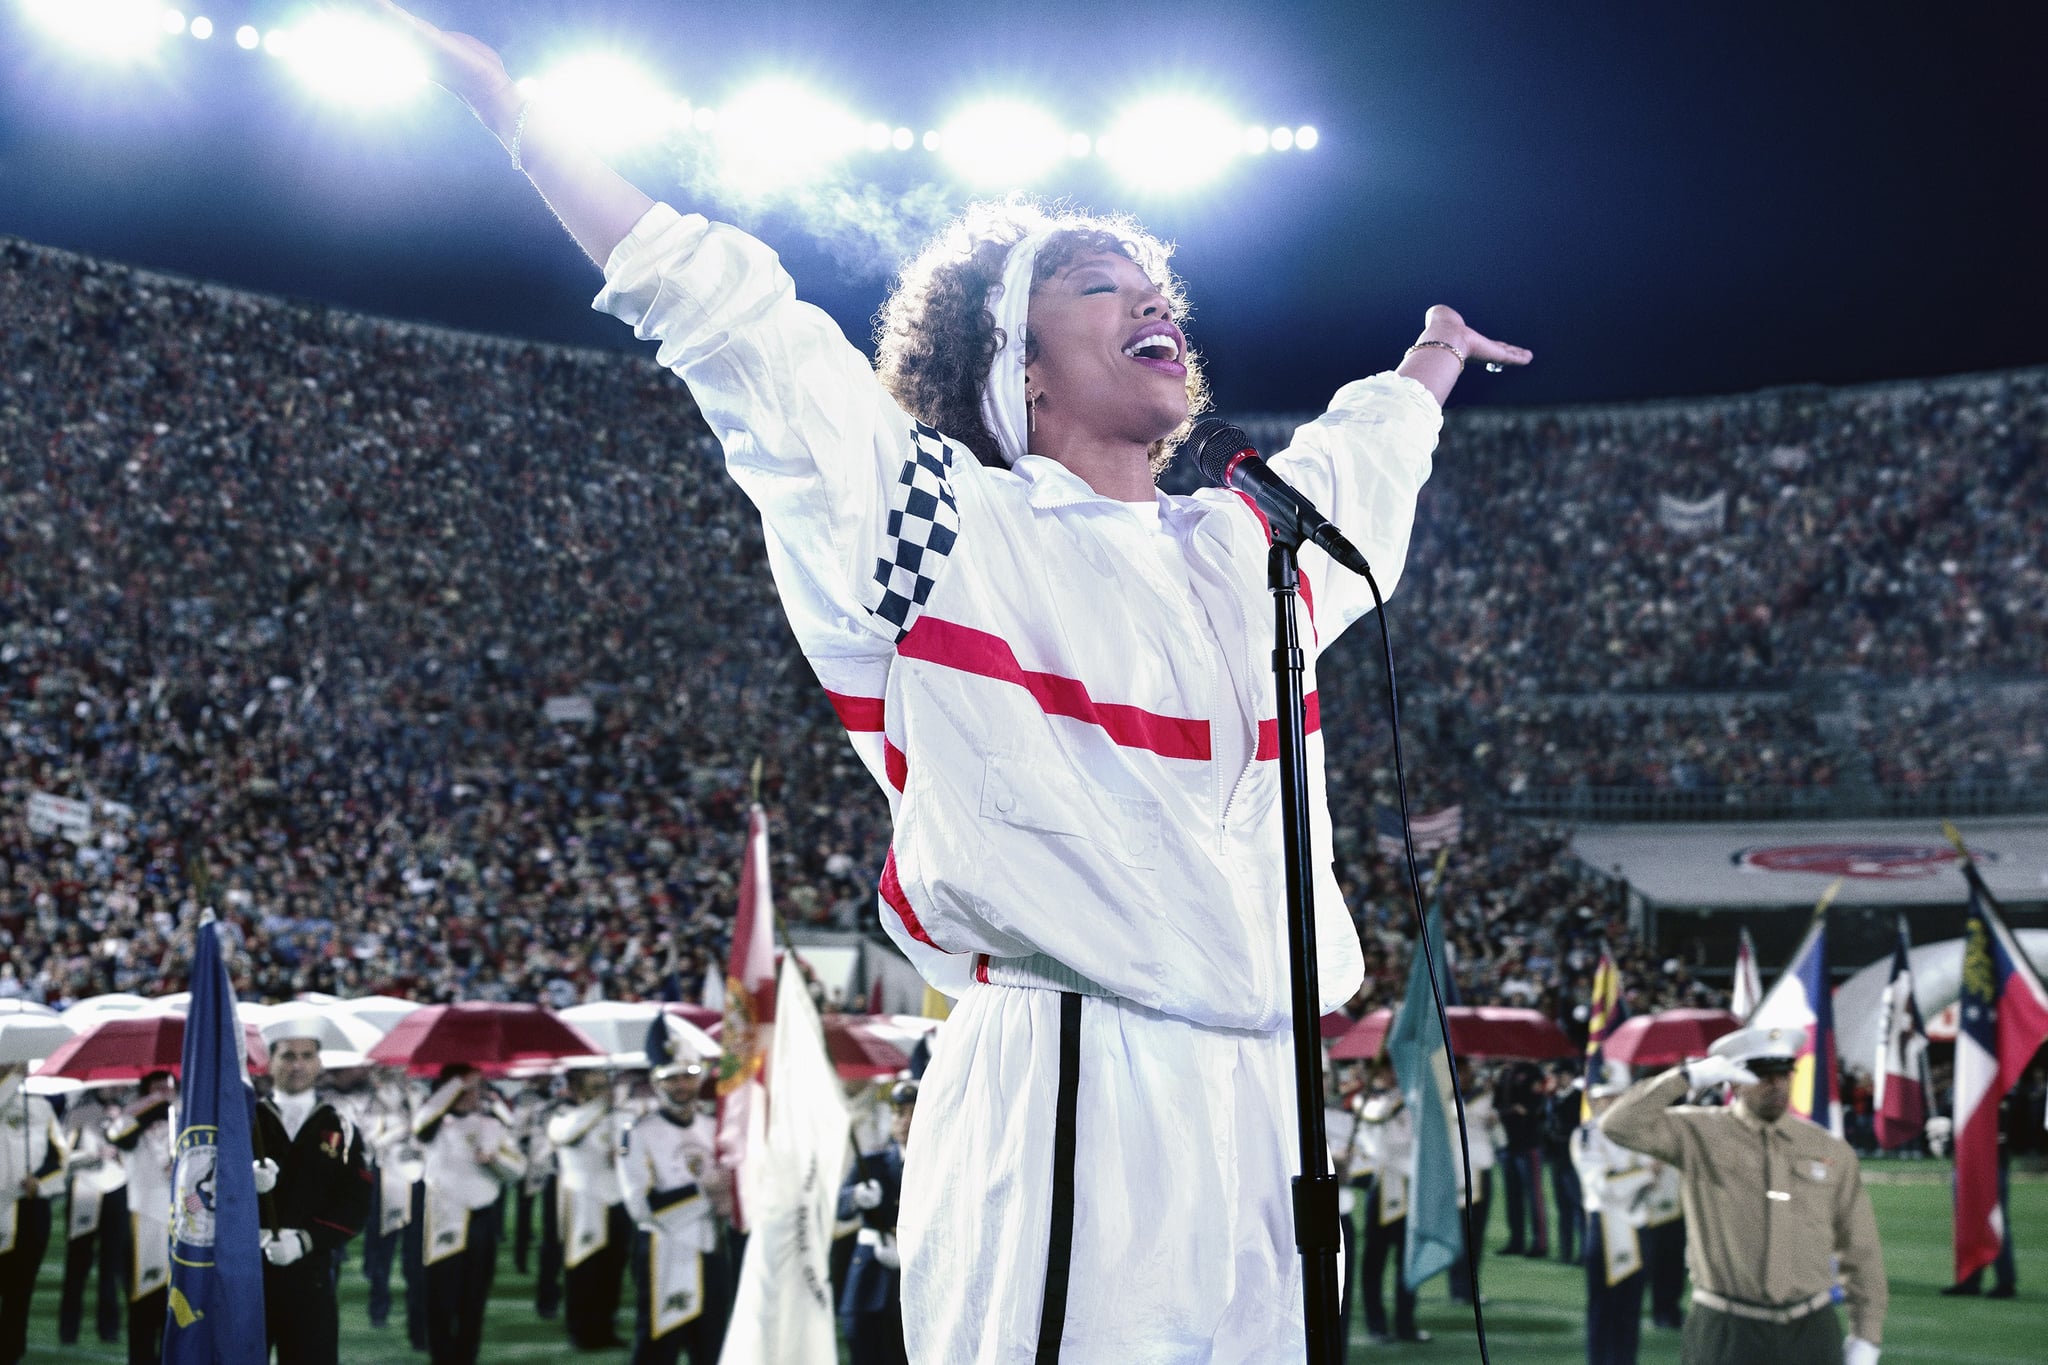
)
(1071, 711)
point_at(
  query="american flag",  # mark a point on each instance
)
(1432, 831)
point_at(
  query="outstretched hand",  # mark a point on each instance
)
(1477, 346)
(466, 67)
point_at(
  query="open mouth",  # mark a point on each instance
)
(1158, 345)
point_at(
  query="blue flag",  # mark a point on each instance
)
(216, 1308)
(1436, 1238)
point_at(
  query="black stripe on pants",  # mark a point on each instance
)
(1059, 1251)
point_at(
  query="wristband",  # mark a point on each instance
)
(1444, 345)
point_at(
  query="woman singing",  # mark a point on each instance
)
(1060, 676)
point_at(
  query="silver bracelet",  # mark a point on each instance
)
(519, 133)
(1404, 355)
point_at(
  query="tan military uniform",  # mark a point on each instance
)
(1768, 1206)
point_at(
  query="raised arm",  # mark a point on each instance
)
(596, 203)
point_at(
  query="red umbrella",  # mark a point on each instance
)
(702, 1016)
(127, 1047)
(858, 1051)
(1669, 1038)
(1476, 1031)
(491, 1036)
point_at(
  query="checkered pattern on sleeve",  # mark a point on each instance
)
(923, 526)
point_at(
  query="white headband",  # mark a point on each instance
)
(1002, 394)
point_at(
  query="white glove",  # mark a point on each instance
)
(1857, 1351)
(286, 1246)
(1709, 1072)
(266, 1175)
(1347, 1200)
(889, 1258)
(1940, 1129)
(867, 1194)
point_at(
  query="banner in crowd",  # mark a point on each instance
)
(749, 1005)
(1899, 1106)
(1697, 517)
(1432, 831)
(1416, 1046)
(2004, 1023)
(1803, 999)
(216, 1294)
(783, 1310)
(50, 814)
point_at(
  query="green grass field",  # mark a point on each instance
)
(1534, 1315)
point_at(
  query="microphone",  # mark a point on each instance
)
(1225, 456)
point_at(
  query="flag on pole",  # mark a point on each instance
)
(1802, 999)
(749, 1005)
(2003, 1023)
(216, 1294)
(1415, 1044)
(1603, 1017)
(1900, 1103)
(783, 1309)
(1432, 831)
(1749, 987)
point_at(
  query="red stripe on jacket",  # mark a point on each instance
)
(893, 897)
(861, 715)
(1269, 730)
(976, 651)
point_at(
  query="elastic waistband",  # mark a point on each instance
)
(1757, 1312)
(1036, 972)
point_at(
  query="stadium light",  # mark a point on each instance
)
(609, 101)
(777, 134)
(1283, 139)
(1172, 142)
(107, 30)
(246, 37)
(1306, 137)
(1002, 143)
(202, 27)
(352, 60)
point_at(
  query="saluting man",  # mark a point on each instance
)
(871, 1308)
(471, 1157)
(674, 1189)
(1773, 1203)
(32, 1153)
(145, 1134)
(320, 1200)
(597, 1236)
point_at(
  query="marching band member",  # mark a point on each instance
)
(146, 1133)
(596, 1234)
(871, 1306)
(1614, 1183)
(470, 1160)
(675, 1191)
(96, 1221)
(32, 1154)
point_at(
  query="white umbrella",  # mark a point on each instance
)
(31, 1037)
(620, 1028)
(114, 1002)
(12, 1005)
(382, 1011)
(336, 1032)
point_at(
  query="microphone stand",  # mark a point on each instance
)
(1316, 1232)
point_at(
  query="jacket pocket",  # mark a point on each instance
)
(1027, 795)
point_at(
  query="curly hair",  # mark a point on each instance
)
(935, 337)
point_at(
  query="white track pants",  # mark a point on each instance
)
(1183, 1229)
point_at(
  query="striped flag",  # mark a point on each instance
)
(2004, 1022)
(1749, 987)
(1803, 999)
(1431, 831)
(1603, 1017)
(1435, 1236)
(1900, 1103)
(749, 1000)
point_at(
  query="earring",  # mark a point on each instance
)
(1031, 413)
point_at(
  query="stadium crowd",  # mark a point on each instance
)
(287, 594)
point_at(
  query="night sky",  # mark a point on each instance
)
(1658, 201)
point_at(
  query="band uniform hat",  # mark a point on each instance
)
(667, 1053)
(902, 1094)
(1613, 1080)
(1760, 1049)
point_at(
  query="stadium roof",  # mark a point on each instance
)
(1660, 201)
